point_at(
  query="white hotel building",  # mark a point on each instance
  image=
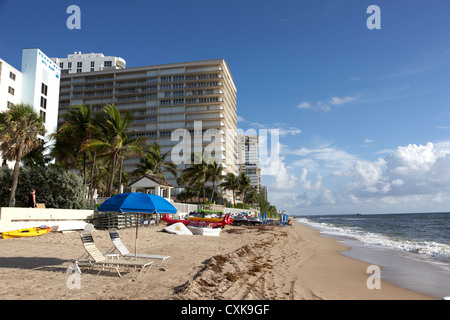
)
(163, 98)
(37, 84)
(87, 62)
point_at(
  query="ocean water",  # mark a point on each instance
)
(412, 249)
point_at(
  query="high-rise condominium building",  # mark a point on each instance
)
(37, 85)
(163, 98)
(248, 158)
(86, 62)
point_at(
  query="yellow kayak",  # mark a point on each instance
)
(29, 232)
(205, 219)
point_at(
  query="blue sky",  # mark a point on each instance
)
(364, 115)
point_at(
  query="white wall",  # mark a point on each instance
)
(20, 218)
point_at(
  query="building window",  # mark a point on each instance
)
(11, 90)
(12, 76)
(69, 65)
(44, 89)
(79, 70)
(92, 64)
(43, 103)
(9, 104)
(42, 114)
(165, 134)
(61, 65)
(152, 135)
(79, 64)
(92, 69)
(108, 64)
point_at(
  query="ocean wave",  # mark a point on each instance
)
(434, 250)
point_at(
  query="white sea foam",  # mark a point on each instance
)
(434, 250)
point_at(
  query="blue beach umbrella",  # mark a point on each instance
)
(137, 203)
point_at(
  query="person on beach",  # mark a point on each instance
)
(32, 199)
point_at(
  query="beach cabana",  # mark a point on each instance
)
(150, 183)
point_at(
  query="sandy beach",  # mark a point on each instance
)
(244, 263)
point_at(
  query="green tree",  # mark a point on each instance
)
(20, 126)
(55, 187)
(154, 162)
(231, 183)
(214, 175)
(76, 131)
(114, 141)
(244, 185)
(196, 175)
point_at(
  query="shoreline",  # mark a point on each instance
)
(350, 273)
(243, 263)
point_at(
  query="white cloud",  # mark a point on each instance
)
(283, 129)
(329, 159)
(307, 184)
(335, 101)
(409, 170)
(412, 178)
(325, 105)
(283, 179)
(304, 105)
(240, 119)
(274, 165)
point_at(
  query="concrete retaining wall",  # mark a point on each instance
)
(19, 218)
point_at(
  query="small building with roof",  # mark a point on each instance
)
(153, 184)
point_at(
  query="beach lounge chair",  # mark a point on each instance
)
(119, 246)
(94, 258)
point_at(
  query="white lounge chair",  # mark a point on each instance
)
(119, 246)
(95, 258)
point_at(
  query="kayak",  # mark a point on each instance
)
(205, 219)
(212, 232)
(221, 223)
(29, 232)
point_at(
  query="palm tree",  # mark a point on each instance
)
(77, 130)
(20, 126)
(244, 184)
(154, 161)
(196, 174)
(214, 175)
(114, 141)
(231, 183)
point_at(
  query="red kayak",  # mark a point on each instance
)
(226, 220)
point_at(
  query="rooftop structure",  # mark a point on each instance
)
(87, 62)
